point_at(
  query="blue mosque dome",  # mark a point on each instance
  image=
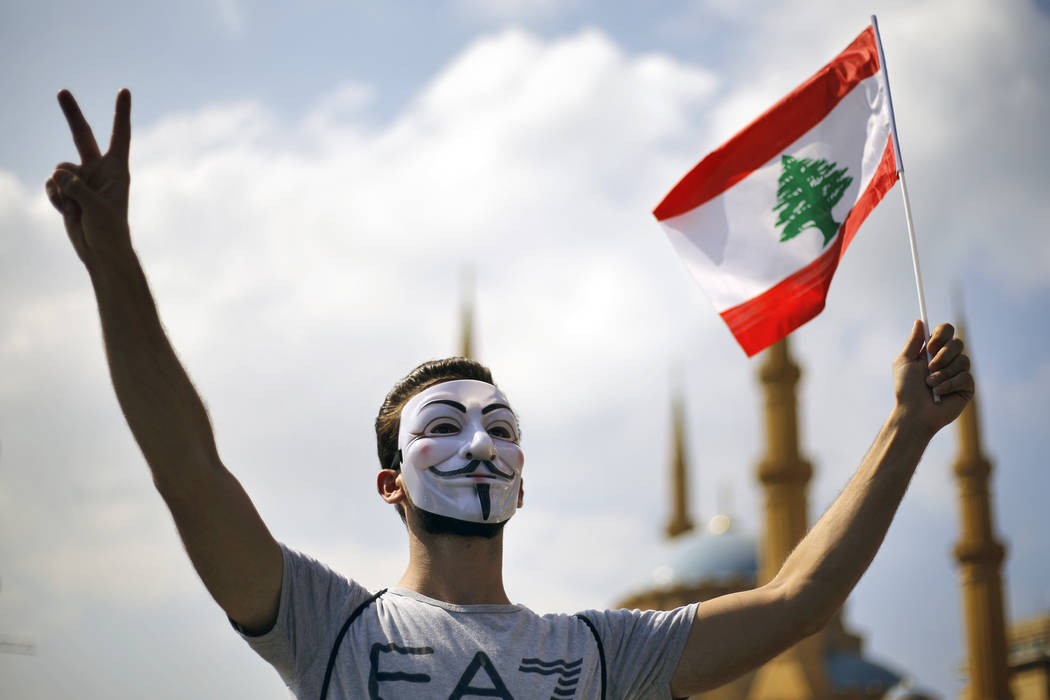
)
(851, 671)
(720, 555)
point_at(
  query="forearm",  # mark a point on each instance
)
(822, 570)
(736, 632)
(162, 408)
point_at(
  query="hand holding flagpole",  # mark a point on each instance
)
(904, 191)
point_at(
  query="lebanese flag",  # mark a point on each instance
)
(762, 221)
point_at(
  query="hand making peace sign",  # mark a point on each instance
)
(93, 196)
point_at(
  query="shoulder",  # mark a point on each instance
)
(620, 631)
(640, 648)
(314, 602)
(624, 619)
(305, 576)
(296, 561)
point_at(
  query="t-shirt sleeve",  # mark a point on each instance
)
(642, 648)
(314, 603)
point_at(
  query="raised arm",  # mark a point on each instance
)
(736, 633)
(227, 541)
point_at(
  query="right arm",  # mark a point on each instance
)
(238, 560)
(735, 633)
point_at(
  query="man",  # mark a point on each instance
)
(451, 464)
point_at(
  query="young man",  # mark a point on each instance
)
(451, 464)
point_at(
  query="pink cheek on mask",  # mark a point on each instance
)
(427, 454)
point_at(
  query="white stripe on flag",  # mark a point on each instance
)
(730, 244)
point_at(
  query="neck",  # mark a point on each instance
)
(455, 568)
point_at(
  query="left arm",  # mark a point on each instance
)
(738, 632)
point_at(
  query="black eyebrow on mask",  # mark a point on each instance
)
(493, 406)
(449, 402)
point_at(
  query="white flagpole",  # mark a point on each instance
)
(904, 188)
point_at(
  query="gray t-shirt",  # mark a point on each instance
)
(405, 645)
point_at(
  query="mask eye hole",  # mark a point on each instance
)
(502, 431)
(442, 426)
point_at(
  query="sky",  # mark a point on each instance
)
(311, 180)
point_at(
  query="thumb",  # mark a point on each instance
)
(913, 348)
(72, 187)
(65, 206)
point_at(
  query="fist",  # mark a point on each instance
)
(942, 369)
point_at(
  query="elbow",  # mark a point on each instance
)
(815, 623)
(172, 488)
(807, 607)
(180, 480)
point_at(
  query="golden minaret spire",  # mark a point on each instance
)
(466, 314)
(980, 557)
(679, 521)
(782, 471)
(784, 474)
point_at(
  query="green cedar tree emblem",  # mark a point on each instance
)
(806, 192)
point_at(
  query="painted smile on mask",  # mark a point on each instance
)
(460, 457)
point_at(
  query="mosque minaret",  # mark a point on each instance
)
(980, 558)
(784, 476)
(679, 520)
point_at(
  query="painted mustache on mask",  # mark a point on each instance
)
(482, 490)
(471, 467)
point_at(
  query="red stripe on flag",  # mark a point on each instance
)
(775, 130)
(762, 321)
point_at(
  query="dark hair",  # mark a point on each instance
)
(426, 375)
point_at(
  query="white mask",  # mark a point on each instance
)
(459, 452)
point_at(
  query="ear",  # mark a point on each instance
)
(521, 493)
(389, 485)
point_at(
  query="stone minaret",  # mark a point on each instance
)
(784, 475)
(980, 557)
(679, 521)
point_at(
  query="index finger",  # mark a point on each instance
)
(941, 335)
(82, 136)
(120, 141)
